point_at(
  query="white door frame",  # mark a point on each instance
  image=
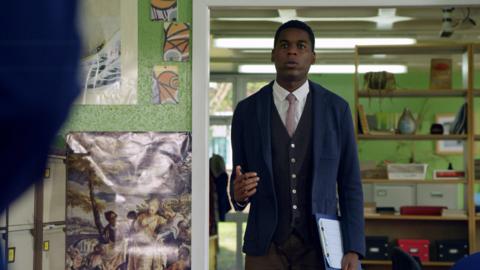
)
(200, 80)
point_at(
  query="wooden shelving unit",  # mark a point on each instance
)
(476, 92)
(413, 93)
(410, 182)
(372, 262)
(415, 137)
(425, 227)
(474, 226)
(410, 217)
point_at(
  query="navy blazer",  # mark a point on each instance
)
(335, 167)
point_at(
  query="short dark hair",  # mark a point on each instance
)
(110, 214)
(299, 25)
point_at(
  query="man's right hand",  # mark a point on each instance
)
(244, 185)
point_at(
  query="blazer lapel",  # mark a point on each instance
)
(319, 112)
(264, 112)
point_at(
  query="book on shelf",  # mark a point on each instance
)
(454, 212)
(441, 73)
(369, 208)
(362, 120)
(477, 169)
(381, 132)
(421, 210)
(448, 175)
(385, 210)
(459, 125)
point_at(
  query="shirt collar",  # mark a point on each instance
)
(281, 93)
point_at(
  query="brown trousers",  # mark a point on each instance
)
(291, 255)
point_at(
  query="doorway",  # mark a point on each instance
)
(200, 110)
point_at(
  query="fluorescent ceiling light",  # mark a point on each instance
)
(326, 69)
(320, 43)
(243, 43)
(384, 19)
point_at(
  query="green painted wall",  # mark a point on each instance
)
(144, 116)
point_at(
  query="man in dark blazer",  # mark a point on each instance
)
(295, 155)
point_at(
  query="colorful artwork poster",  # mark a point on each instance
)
(128, 201)
(108, 66)
(177, 42)
(165, 84)
(163, 10)
(101, 70)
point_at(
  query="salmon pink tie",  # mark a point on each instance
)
(292, 110)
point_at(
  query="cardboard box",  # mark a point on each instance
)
(441, 73)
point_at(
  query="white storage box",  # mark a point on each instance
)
(21, 243)
(412, 171)
(438, 195)
(3, 220)
(394, 196)
(54, 240)
(20, 212)
(54, 191)
(368, 192)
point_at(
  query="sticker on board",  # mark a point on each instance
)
(177, 42)
(165, 83)
(163, 10)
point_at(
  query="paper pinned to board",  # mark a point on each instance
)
(331, 240)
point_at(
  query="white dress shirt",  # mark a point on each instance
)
(281, 102)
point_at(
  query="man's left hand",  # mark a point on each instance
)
(350, 261)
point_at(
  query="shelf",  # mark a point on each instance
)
(374, 262)
(413, 93)
(413, 217)
(417, 137)
(425, 49)
(476, 93)
(460, 223)
(397, 182)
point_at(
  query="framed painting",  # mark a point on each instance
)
(447, 147)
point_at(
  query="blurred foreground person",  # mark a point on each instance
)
(39, 55)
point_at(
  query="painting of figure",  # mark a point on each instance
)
(128, 201)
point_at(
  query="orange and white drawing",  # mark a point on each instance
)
(176, 46)
(165, 84)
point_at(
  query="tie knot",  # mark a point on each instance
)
(291, 98)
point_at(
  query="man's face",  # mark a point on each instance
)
(293, 55)
(112, 219)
